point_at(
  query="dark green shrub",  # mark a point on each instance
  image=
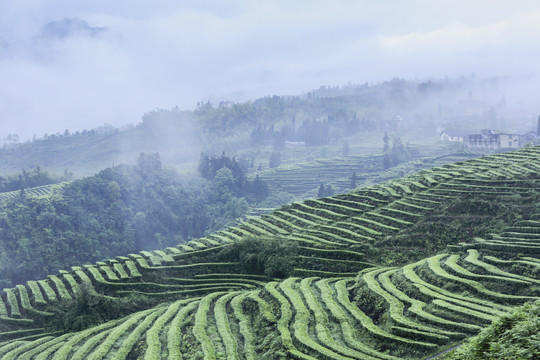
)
(89, 308)
(513, 336)
(268, 256)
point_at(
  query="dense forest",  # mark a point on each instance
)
(120, 210)
(29, 179)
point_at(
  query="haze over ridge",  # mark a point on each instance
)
(167, 54)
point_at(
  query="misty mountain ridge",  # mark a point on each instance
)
(357, 114)
(61, 29)
(48, 44)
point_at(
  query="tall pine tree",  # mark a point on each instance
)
(354, 178)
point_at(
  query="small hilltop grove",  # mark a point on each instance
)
(405, 269)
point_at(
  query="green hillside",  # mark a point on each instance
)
(400, 270)
(325, 121)
(513, 336)
(127, 209)
(303, 179)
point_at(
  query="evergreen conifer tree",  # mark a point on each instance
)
(386, 162)
(386, 147)
(328, 191)
(354, 178)
(321, 191)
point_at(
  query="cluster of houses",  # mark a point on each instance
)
(491, 139)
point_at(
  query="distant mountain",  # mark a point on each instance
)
(61, 29)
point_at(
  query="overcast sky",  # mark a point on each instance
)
(166, 53)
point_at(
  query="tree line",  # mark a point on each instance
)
(120, 210)
(218, 168)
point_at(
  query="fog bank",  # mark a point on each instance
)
(69, 65)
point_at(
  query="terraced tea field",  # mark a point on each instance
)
(303, 179)
(43, 190)
(340, 302)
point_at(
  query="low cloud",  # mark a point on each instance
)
(501, 48)
(169, 53)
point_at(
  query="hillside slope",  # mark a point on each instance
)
(373, 274)
(303, 179)
(513, 336)
(154, 209)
